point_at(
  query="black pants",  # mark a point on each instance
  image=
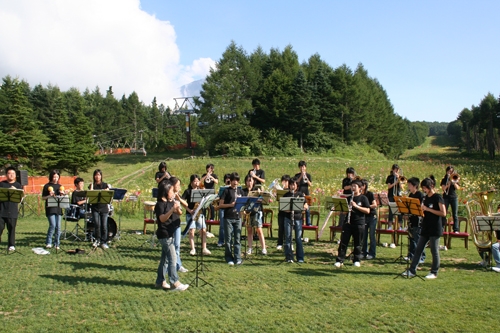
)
(11, 228)
(281, 229)
(356, 231)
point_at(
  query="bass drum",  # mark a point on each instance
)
(112, 228)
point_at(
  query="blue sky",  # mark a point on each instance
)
(433, 57)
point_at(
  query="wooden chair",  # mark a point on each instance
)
(212, 220)
(335, 228)
(404, 228)
(464, 235)
(267, 223)
(149, 218)
(382, 224)
(315, 227)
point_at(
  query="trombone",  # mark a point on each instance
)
(453, 178)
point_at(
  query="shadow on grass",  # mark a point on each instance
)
(76, 280)
(87, 265)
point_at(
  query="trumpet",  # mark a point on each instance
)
(208, 178)
(304, 177)
(403, 180)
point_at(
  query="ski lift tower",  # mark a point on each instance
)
(185, 105)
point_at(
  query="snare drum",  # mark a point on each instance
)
(72, 213)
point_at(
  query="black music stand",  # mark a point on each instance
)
(245, 205)
(118, 196)
(60, 201)
(264, 199)
(407, 206)
(95, 197)
(289, 205)
(205, 198)
(488, 224)
(14, 196)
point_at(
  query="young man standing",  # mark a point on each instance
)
(304, 180)
(9, 210)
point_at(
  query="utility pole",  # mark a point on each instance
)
(185, 105)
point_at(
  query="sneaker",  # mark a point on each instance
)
(12, 248)
(443, 248)
(407, 259)
(239, 262)
(95, 244)
(249, 251)
(338, 264)
(456, 232)
(220, 244)
(264, 251)
(206, 252)
(57, 247)
(357, 264)
(369, 257)
(290, 261)
(300, 261)
(389, 228)
(210, 235)
(182, 269)
(431, 276)
(192, 252)
(306, 240)
(104, 246)
(408, 274)
(421, 261)
(496, 269)
(48, 246)
(163, 285)
(392, 246)
(180, 287)
(279, 247)
(230, 263)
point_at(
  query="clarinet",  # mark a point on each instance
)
(350, 209)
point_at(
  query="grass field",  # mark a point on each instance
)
(112, 291)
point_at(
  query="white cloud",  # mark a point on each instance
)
(89, 43)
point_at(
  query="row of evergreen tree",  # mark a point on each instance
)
(256, 104)
(42, 128)
(478, 126)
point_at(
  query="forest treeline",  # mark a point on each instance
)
(250, 105)
(270, 103)
(477, 127)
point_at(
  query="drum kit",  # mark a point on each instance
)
(75, 213)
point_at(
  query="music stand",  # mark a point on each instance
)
(95, 197)
(118, 196)
(289, 205)
(334, 204)
(60, 201)
(407, 206)
(488, 224)
(14, 196)
(266, 196)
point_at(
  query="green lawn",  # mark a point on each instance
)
(113, 291)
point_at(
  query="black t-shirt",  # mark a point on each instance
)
(297, 214)
(187, 196)
(395, 190)
(358, 217)
(46, 192)
(161, 174)
(9, 209)
(371, 197)
(211, 184)
(452, 191)
(259, 173)
(413, 218)
(431, 224)
(101, 207)
(346, 182)
(167, 228)
(303, 186)
(75, 199)
(229, 196)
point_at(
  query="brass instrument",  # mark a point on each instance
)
(482, 207)
(197, 216)
(485, 200)
(403, 180)
(215, 203)
(455, 177)
(358, 177)
(304, 177)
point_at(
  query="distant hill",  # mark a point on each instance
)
(192, 89)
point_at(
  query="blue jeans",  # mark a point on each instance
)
(371, 225)
(232, 234)
(177, 244)
(168, 257)
(308, 216)
(297, 226)
(434, 244)
(495, 251)
(54, 225)
(221, 227)
(453, 202)
(413, 239)
(100, 226)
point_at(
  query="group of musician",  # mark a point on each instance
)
(359, 223)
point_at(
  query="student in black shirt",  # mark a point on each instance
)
(232, 221)
(52, 189)
(450, 186)
(79, 201)
(304, 181)
(168, 212)
(9, 210)
(434, 211)
(370, 223)
(209, 179)
(258, 175)
(293, 220)
(414, 223)
(393, 189)
(350, 173)
(100, 212)
(281, 215)
(162, 173)
(354, 225)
